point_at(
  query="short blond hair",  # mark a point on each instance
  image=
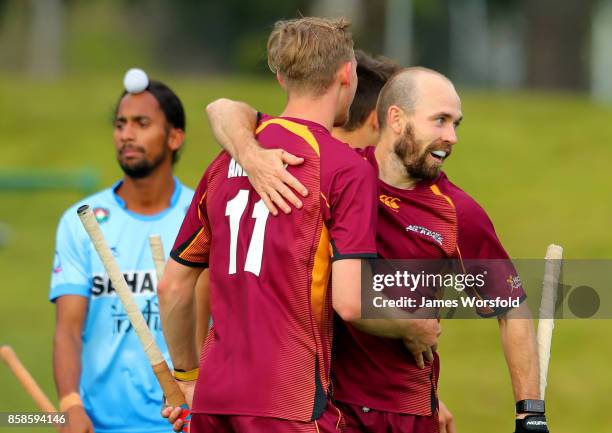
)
(308, 51)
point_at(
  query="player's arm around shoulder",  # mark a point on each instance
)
(233, 125)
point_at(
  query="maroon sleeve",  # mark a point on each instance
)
(192, 244)
(352, 201)
(478, 244)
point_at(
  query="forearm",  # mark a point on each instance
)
(177, 311)
(233, 126)
(66, 362)
(391, 322)
(419, 336)
(387, 328)
(519, 344)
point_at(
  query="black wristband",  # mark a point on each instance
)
(531, 424)
(530, 406)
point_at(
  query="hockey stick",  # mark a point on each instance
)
(157, 252)
(546, 323)
(28, 383)
(171, 390)
(24, 377)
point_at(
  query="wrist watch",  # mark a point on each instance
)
(530, 406)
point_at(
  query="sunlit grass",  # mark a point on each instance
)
(536, 162)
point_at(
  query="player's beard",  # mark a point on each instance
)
(143, 167)
(415, 163)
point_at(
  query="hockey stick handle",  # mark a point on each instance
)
(25, 378)
(546, 323)
(160, 367)
(157, 252)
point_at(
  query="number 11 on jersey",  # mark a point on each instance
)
(234, 210)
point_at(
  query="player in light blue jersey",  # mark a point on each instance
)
(102, 374)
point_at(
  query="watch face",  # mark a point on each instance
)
(531, 406)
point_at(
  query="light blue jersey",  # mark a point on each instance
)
(118, 388)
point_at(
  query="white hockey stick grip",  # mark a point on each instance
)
(157, 252)
(114, 273)
(546, 323)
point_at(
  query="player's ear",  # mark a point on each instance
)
(176, 137)
(372, 121)
(281, 81)
(396, 119)
(344, 73)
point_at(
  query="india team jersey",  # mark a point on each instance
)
(117, 386)
(434, 220)
(268, 352)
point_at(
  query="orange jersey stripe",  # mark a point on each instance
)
(320, 276)
(296, 128)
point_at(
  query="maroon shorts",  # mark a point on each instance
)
(331, 421)
(359, 420)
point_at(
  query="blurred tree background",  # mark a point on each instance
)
(547, 44)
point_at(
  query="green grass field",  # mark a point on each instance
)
(538, 163)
